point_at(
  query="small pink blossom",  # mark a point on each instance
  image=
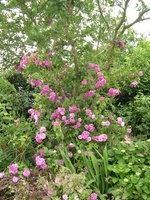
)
(70, 155)
(41, 151)
(91, 65)
(121, 44)
(134, 84)
(129, 130)
(49, 192)
(40, 162)
(84, 82)
(60, 162)
(65, 197)
(13, 169)
(80, 137)
(37, 62)
(90, 93)
(56, 124)
(42, 129)
(34, 114)
(100, 138)
(71, 145)
(131, 75)
(40, 137)
(72, 115)
(88, 139)
(15, 179)
(52, 96)
(140, 73)
(113, 92)
(90, 114)
(85, 135)
(26, 173)
(46, 63)
(100, 83)
(127, 138)
(86, 153)
(74, 108)
(105, 123)
(102, 98)
(120, 121)
(100, 76)
(90, 127)
(77, 125)
(1, 175)
(58, 180)
(45, 90)
(97, 68)
(36, 83)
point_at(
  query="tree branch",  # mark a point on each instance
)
(138, 19)
(100, 10)
(122, 19)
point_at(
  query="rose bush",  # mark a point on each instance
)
(69, 125)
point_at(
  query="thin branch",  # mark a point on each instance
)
(138, 19)
(101, 12)
(122, 19)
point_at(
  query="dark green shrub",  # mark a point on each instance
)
(24, 96)
(137, 114)
(16, 144)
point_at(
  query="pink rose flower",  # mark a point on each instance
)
(129, 130)
(84, 82)
(71, 145)
(13, 169)
(140, 73)
(26, 173)
(100, 138)
(131, 75)
(134, 84)
(70, 155)
(65, 197)
(1, 175)
(102, 98)
(15, 179)
(86, 153)
(60, 162)
(105, 123)
(120, 121)
(113, 92)
(127, 138)
(42, 129)
(91, 65)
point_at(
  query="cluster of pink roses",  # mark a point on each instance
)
(113, 92)
(90, 127)
(23, 63)
(35, 114)
(59, 114)
(32, 58)
(52, 95)
(135, 83)
(89, 113)
(40, 162)
(93, 196)
(36, 83)
(40, 136)
(105, 123)
(120, 121)
(100, 138)
(13, 169)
